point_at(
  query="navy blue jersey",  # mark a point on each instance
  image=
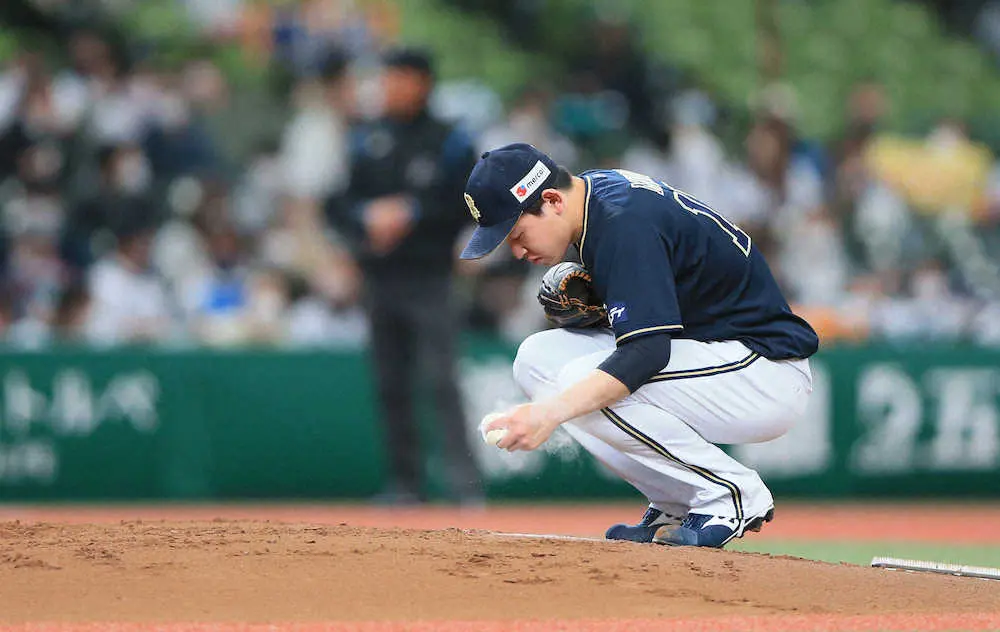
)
(665, 262)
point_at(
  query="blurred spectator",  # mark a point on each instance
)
(946, 171)
(928, 310)
(6, 313)
(121, 109)
(177, 138)
(528, 121)
(217, 300)
(179, 249)
(314, 152)
(218, 18)
(228, 298)
(316, 320)
(883, 227)
(608, 60)
(471, 104)
(121, 196)
(697, 158)
(813, 258)
(260, 189)
(684, 151)
(985, 325)
(986, 27)
(36, 106)
(32, 219)
(130, 301)
(29, 116)
(305, 33)
(69, 326)
(268, 304)
(36, 276)
(74, 87)
(34, 202)
(312, 167)
(402, 213)
(867, 106)
(772, 192)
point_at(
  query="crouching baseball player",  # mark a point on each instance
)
(698, 346)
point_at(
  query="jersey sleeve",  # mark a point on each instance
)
(632, 271)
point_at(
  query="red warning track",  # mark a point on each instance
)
(802, 623)
(856, 522)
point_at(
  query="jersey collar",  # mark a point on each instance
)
(586, 213)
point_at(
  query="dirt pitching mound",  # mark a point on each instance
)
(252, 571)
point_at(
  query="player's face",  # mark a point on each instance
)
(540, 239)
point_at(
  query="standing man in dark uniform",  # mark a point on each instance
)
(403, 211)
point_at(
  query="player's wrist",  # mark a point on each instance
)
(551, 413)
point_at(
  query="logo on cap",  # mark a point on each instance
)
(530, 182)
(472, 207)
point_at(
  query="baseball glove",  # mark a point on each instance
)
(568, 297)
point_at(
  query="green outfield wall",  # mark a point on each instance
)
(133, 424)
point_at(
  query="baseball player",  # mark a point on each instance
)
(702, 348)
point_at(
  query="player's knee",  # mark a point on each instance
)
(577, 369)
(543, 356)
(532, 364)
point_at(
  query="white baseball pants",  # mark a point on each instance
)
(660, 438)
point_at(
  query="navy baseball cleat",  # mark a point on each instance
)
(652, 521)
(710, 531)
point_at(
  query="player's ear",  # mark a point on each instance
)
(553, 197)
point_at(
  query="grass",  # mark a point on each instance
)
(863, 552)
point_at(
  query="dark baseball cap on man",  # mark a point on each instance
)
(410, 58)
(503, 184)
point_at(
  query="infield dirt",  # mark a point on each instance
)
(254, 571)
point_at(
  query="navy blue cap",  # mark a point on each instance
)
(504, 183)
(410, 58)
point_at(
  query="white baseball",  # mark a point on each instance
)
(492, 437)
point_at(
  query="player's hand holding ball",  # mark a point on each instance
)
(523, 427)
(495, 436)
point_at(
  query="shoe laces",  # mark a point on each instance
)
(648, 518)
(697, 521)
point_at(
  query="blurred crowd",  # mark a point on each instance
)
(127, 217)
